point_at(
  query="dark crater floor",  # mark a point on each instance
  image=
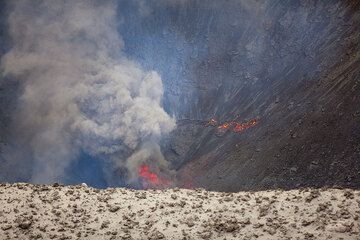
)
(294, 65)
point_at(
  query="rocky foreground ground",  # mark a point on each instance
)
(80, 212)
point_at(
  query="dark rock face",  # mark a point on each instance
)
(296, 66)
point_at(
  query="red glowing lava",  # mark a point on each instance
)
(144, 172)
(235, 126)
(239, 127)
(151, 179)
(225, 126)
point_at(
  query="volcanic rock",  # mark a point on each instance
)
(114, 208)
(25, 224)
(179, 214)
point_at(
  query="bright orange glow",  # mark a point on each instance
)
(151, 179)
(224, 126)
(236, 126)
(239, 127)
(144, 172)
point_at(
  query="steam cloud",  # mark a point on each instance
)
(80, 93)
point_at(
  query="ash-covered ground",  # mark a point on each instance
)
(80, 212)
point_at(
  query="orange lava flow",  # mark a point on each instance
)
(144, 173)
(239, 127)
(151, 179)
(224, 126)
(235, 126)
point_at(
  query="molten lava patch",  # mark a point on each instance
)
(145, 173)
(225, 126)
(235, 126)
(239, 127)
(150, 179)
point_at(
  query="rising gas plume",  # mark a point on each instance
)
(80, 92)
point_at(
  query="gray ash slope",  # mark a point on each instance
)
(295, 65)
(79, 212)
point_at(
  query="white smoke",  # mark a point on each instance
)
(79, 90)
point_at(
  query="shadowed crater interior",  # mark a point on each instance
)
(294, 66)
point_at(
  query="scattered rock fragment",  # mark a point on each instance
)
(314, 193)
(25, 224)
(155, 235)
(114, 208)
(105, 224)
(6, 227)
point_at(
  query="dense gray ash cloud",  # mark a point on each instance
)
(80, 92)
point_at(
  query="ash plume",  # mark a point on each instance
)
(80, 91)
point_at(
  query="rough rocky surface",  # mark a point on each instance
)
(80, 212)
(293, 64)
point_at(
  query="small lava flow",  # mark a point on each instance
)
(151, 179)
(236, 127)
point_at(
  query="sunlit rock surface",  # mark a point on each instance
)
(79, 212)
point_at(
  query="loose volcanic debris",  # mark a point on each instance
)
(80, 212)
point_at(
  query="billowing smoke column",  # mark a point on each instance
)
(80, 93)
